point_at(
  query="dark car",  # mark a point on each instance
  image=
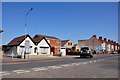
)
(86, 51)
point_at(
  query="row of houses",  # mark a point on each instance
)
(50, 45)
(100, 44)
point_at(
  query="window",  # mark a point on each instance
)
(44, 50)
(69, 43)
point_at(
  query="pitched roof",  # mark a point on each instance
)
(38, 38)
(75, 45)
(16, 41)
(52, 37)
(63, 42)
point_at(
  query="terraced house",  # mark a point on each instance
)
(99, 44)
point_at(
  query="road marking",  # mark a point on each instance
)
(85, 63)
(21, 71)
(94, 60)
(65, 65)
(4, 73)
(90, 61)
(98, 60)
(54, 67)
(39, 69)
(74, 64)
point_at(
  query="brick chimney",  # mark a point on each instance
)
(105, 39)
(108, 40)
(100, 38)
(112, 41)
(115, 43)
(94, 36)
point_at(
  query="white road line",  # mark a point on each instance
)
(95, 61)
(21, 71)
(65, 65)
(39, 69)
(54, 67)
(85, 63)
(74, 64)
(98, 60)
(4, 73)
(90, 61)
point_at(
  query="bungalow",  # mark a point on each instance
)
(19, 45)
(26, 45)
(42, 47)
(68, 44)
(54, 42)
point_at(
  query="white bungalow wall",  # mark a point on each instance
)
(21, 50)
(43, 44)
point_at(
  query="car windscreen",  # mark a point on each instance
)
(84, 49)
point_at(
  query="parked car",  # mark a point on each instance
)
(86, 51)
(114, 52)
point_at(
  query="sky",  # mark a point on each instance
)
(64, 20)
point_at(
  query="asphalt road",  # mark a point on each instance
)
(76, 67)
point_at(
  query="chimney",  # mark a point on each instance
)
(94, 36)
(108, 40)
(100, 38)
(105, 39)
(112, 41)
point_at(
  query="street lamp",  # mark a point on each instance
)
(26, 29)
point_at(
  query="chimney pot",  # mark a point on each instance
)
(100, 38)
(94, 36)
(105, 39)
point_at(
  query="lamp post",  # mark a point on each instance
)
(26, 29)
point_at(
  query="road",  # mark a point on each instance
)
(76, 67)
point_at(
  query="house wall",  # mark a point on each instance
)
(55, 43)
(77, 48)
(94, 43)
(20, 49)
(55, 46)
(11, 49)
(109, 47)
(82, 43)
(43, 46)
(67, 45)
(112, 47)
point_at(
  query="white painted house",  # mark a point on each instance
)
(26, 45)
(42, 47)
